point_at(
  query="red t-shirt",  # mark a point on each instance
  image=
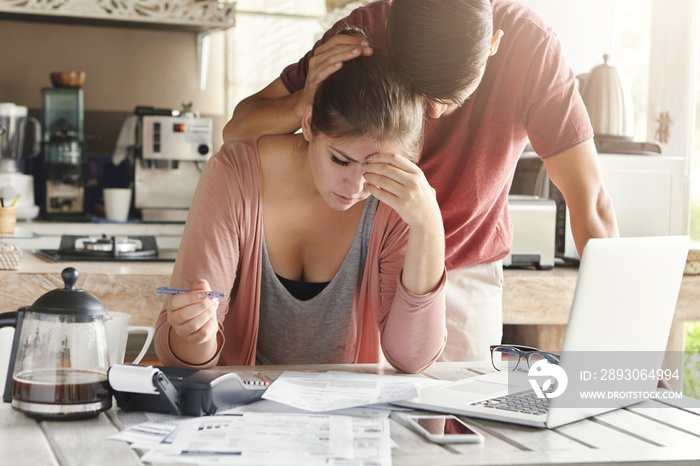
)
(528, 92)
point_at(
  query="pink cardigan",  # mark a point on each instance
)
(222, 243)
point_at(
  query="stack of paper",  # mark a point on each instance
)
(305, 419)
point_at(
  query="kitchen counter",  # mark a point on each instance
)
(31, 235)
(535, 297)
(121, 286)
(535, 300)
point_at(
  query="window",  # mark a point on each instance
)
(633, 36)
(695, 166)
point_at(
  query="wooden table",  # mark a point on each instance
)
(647, 433)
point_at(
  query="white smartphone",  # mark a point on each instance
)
(443, 428)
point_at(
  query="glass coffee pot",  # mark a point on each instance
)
(59, 359)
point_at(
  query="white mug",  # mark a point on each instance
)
(118, 329)
(117, 203)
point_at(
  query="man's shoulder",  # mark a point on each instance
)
(513, 14)
(378, 9)
(371, 18)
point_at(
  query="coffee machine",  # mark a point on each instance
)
(64, 152)
(16, 186)
(172, 149)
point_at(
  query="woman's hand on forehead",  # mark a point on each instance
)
(401, 184)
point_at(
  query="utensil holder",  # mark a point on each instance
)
(8, 219)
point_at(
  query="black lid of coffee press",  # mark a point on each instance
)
(68, 300)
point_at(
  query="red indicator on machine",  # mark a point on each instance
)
(179, 127)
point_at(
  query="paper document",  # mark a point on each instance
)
(331, 391)
(149, 434)
(267, 406)
(278, 439)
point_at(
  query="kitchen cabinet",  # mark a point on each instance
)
(191, 15)
(201, 17)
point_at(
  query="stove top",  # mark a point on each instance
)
(108, 248)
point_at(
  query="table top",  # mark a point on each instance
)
(646, 433)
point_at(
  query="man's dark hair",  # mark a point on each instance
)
(440, 45)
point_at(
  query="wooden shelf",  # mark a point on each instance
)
(184, 15)
(201, 17)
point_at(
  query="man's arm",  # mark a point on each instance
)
(270, 111)
(576, 172)
(274, 110)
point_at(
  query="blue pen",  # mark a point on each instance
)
(171, 290)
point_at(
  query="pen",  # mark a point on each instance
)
(171, 290)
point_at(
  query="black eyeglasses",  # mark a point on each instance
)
(509, 357)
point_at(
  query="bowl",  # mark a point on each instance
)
(69, 79)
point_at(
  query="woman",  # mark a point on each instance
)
(329, 243)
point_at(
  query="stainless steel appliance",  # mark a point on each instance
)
(171, 152)
(13, 128)
(108, 248)
(64, 152)
(59, 357)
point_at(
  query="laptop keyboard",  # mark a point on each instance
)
(525, 402)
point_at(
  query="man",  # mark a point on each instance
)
(493, 77)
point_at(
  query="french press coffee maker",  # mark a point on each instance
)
(59, 359)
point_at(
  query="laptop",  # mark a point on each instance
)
(623, 304)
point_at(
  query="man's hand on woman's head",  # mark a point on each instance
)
(327, 59)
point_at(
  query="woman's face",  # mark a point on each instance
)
(337, 168)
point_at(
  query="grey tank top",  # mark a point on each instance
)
(323, 329)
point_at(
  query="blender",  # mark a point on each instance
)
(14, 121)
(64, 152)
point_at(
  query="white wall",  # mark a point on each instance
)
(269, 35)
(585, 27)
(125, 67)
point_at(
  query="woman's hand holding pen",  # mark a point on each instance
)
(401, 184)
(194, 325)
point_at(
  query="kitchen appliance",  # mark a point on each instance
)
(59, 357)
(64, 152)
(608, 101)
(171, 150)
(609, 105)
(13, 129)
(647, 192)
(534, 227)
(108, 248)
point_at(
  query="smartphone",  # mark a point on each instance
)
(442, 428)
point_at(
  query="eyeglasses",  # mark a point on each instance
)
(509, 357)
